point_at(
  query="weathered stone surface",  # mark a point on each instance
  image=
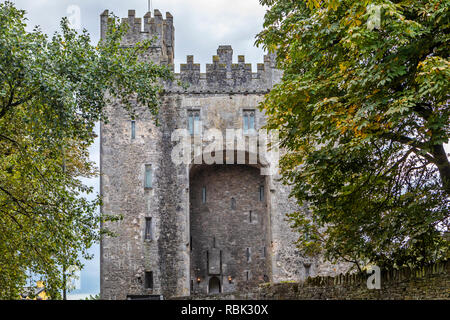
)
(220, 96)
(222, 230)
(429, 283)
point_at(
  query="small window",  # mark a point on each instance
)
(148, 176)
(264, 252)
(214, 242)
(249, 121)
(194, 122)
(148, 228)
(307, 270)
(190, 243)
(204, 195)
(149, 280)
(250, 216)
(133, 129)
(247, 275)
(261, 193)
(247, 253)
(307, 236)
(233, 204)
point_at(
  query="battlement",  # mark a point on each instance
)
(153, 27)
(224, 76)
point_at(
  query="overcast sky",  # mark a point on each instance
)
(200, 27)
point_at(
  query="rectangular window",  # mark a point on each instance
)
(194, 122)
(248, 254)
(133, 129)
(250, 217)
(233, 204)
(247, 275)
(148, 176)
(148, 280)
(249, 121)
(204, 195)
(264, 252)
(261, 193)
(306, 236)
(148, 228)
(307, 271)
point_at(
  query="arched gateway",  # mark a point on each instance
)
(229, 226)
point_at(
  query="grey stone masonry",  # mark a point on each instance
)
(186, 243)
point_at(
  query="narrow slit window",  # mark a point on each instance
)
(264, 252)
(249, 120)
(233, 204)
(247, 275)
(194, 122)
(191, 124)
(149, 280)
(307, 271)
(245, 123)
(261, 193)
(148, 228)
(133, 129)
(197, 123)
(247, 253)
(306, 236)
(250, 218)
(148, 176)
(204, 195)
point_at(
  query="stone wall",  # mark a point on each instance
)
(431, 282)
(231, 221)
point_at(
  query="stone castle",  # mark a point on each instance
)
(194, 228)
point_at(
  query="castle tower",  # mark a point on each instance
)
(194, 227)
(162, 50)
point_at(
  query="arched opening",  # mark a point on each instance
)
(214, 285)
(230, 227)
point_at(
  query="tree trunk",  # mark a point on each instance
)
(443, 165)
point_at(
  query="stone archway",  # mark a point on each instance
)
(229, 226)
(214, 285)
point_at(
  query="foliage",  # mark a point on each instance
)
(95, 297)
(363, 113)
(52, 92)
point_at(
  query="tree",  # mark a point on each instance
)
(52, 92)
(363, 113)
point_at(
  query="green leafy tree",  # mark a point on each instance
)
(52, 92)
(363, 112)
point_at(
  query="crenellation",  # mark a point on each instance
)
(190, 72)
(224, 76)
(147, 22)
(225, 54)
(160, 31)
